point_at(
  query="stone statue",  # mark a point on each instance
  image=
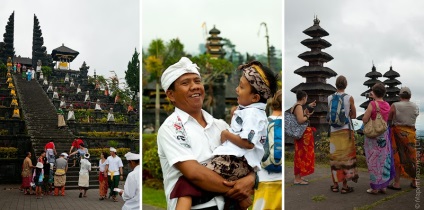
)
(72, 83)
(55, 93)
(10, 86)
(67, 77)
(13, 92)
(106, 91)
(78, 89)
(45, 82)
(14, 101)
(71, 114)
(87, 96)
(16, 112)
(9, 63)
(41, 76)
(39, 66)
(62, 102)
(110, 117)
(97, 87)
(98, 107)
(50, 88)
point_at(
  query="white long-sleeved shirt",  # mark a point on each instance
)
(131, 194)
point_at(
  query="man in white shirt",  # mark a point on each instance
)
(114, 172)
(189, 135)
(131, 192)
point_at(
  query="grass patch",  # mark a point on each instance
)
(319, 198)
(154, 197)
(390, 197)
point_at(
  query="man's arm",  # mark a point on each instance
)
(106, 168)
(211, 181)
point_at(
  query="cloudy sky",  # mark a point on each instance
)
(361, 32)
(238, 20)
(105, 33)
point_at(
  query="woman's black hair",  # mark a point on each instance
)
(300, 94)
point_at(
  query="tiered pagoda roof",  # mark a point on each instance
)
(392, 92)
(373, 75)
(316, 74)
(214, 45)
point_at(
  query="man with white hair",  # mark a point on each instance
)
(188, 137)
(114, 172)
(131, 191)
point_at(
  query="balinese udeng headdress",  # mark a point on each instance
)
(254, 73)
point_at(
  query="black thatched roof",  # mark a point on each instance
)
(373, 73)
(392, 90)
(365, 104)
(316, 30)
(367, 91)
(392, 82)
(371, 82)
(315, 56)
(23, 61)
(214, 38)
(391, 73)
(309, 70)
(314, 86)
(316, 42)
(64, 51)
(214, 31)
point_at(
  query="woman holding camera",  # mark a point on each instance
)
(304, 157)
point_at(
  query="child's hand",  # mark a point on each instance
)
(223, 136)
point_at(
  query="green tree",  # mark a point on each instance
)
(212, 70)
(159, 57)
(132, 75)
(47, 71)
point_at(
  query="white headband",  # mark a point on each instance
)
(173, 72)
(132, 156)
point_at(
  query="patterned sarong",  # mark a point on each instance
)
(102, 184)
(343, 156)
(378, 152)
(304, 155)
(404, 152)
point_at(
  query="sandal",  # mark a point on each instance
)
(373, 192)
(334, 189)
(413, 186)
(346, 190)
(114, 199)
(393, 187)
(300, 183)
(80, 195)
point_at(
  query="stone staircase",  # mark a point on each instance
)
(41, 120)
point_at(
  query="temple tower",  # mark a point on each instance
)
(39, 52)
(373, 75)
(9, 49)
(214, 45)
(316, 74)
(392, 92)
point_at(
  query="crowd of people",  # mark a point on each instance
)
(389, 155)
(48, 176)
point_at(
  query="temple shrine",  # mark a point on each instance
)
(316, 74)
(214, 45)
(373, 75)
(64, 56)
(392, 92)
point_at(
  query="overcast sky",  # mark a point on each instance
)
(105, 33)
(238, 20)
(386, 32)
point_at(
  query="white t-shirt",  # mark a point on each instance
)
(264, 175)
(248, 122)
(131, 194)
(181, 138)
(114, 164)
(346, 101)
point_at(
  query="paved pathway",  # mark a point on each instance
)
(13, 199)
(306, 197)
